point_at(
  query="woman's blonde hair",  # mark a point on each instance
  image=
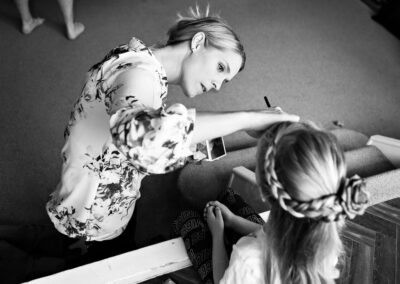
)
(218, 33)
(302, 172)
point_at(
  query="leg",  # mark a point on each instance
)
(73, 29)
(198, 242)
(238, 206)
(28, 22)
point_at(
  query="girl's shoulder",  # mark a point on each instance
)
(252, 246)
(247, 262)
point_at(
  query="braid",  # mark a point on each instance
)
(270, 174)
(269, 140)
(350, 200)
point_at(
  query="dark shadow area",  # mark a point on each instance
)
(389, 17)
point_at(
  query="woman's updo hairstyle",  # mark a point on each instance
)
(217, 32)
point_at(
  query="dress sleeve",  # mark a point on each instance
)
(156, 141)
(240, 272)
(245, 266)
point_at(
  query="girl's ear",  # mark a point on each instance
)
(198, 41)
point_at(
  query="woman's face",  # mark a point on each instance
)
(207, 68)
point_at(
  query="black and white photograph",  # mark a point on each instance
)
(199, 141)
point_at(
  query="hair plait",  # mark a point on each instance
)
(350, 200)
(270, 140)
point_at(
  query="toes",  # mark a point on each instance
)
(28, 27)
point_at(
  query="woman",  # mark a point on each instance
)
(301, 170)
(120, 129)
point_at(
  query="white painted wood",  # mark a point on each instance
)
(132, 267)
(244, 173)
(390, 147)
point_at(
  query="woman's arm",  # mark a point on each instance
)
(209, 125)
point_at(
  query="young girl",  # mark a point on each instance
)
(120, 129)
(301, 171)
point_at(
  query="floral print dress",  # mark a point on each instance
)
(113, 140)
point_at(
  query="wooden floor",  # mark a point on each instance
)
(372, 245)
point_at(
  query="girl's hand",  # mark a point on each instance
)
(227, 214)
(215, 221)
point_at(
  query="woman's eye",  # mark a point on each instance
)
(221, 67)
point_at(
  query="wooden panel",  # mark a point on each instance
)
(362, 263)
(372, 246)
(398, 254)
(344, 264)
(385, 259)
(358, 233)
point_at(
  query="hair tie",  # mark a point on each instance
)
(353, 198)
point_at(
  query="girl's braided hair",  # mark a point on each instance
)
(321, 191)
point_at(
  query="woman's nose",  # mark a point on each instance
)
(217, 85)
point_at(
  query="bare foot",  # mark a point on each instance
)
(28, 27)
(75, 30)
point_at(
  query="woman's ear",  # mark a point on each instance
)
(198, 41)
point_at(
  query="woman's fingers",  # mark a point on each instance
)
(283, 116)
(293, 117)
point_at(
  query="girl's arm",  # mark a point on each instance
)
(243, 226)
(219, 257)
(220, 260)
(237, 223)
(209, 125)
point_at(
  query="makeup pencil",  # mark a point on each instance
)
(266, 101)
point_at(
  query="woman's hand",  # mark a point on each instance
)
(258, 121)
(210, 125)
(227, 214)
(215, 221)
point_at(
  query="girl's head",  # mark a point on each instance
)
(302, 172)
(216, 54)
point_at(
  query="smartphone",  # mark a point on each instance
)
(213, 149)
